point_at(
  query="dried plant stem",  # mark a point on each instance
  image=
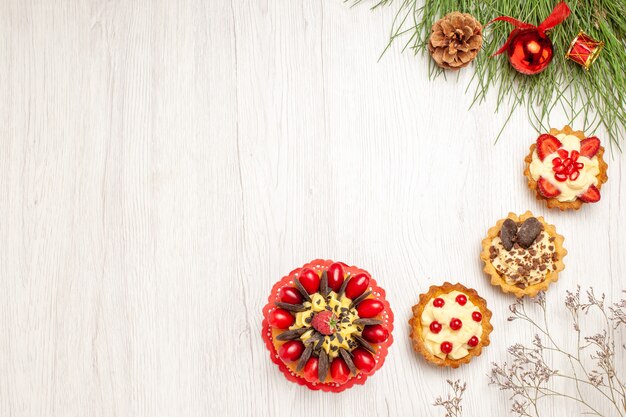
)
(452, 404)
(528, 376)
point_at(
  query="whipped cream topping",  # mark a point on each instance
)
(524, 267)
(443, 315)
(569, 189)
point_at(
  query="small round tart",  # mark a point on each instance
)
(566, 169)
(523, 254)
(327, 325)
(450, 325)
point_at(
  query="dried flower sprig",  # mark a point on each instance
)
(452, 404)
(529, 376)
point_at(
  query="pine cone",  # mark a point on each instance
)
(455, 40)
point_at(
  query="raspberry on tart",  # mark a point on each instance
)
(452, 332)
(523, 254)
(566, 169)
(339, 332)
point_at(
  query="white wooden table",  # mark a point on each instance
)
(163, 163)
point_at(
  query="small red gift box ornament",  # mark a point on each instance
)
(584, 50)
(528, 47)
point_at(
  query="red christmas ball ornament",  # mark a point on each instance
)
(529, 51)
(528, 47)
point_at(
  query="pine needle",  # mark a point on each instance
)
(592, 99)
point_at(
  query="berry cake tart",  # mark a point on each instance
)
(327, 325)
(450, 325)
(566, 169)
(523, 254)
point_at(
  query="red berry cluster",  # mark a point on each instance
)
(455, 323)
(566, 165)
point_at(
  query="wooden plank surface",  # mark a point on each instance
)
(163, 163)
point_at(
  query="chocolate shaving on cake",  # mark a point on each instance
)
(528, 232)
(300, 288)
(360, 298)
(324, 285)
(364, 343)
(342, 289)
(297, 308)
(314, 338)
(368, 322)
(508, 234)
(348, 360)
(322, 366)
(319, 344)
(291, 334)
(304, 358)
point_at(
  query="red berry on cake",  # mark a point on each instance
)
(446, 347)
(357, 285)
(461, 299)
(335, 276)
(309, 280)
(456, 324)
(310, 370)
(339, 371)
(290, 295)
(291, 351)
(370, 307)
(281, 318)
(435, 327)
(363, 360)
(375, 333)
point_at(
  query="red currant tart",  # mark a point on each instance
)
(327, 325)
(566, 168)
(450, 325)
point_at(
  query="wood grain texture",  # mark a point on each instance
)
(163, 163)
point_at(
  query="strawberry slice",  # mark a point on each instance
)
(546, 189)
(592, 195)
(547, 144)
(589, 147)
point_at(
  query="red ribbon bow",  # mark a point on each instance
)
(558, 15)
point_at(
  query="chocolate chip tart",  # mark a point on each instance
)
(450, 325)
(523, 254)
(566, 169)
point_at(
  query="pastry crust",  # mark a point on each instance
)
(553, 202)
(498, 280)
(416, 324)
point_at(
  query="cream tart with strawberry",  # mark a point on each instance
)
(450, 325)
(523, 254)
(566, 169)
(327, 325)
